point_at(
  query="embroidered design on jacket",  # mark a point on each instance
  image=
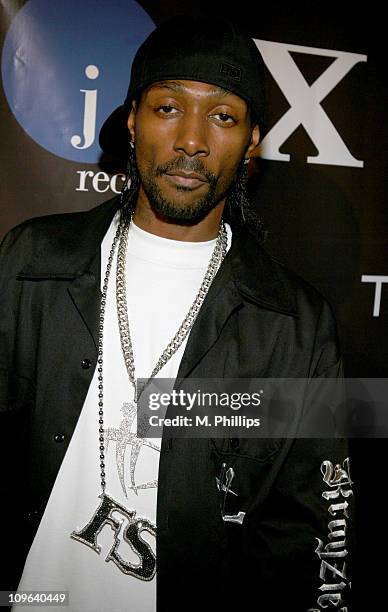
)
(223, 484)
(332, 555)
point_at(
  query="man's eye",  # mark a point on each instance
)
(225, 118)
(165, 109)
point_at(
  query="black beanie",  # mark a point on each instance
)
(209, 50)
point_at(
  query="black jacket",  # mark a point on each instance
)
(258, 320)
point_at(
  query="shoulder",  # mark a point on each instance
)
(304, 292)
(58, 229)
(52, 235)
(300, 311)
(308, 300)
(56, 225)
(315, 322)
(263, 278)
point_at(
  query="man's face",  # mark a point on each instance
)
(190, 138)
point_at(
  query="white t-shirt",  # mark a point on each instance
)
(162, 277)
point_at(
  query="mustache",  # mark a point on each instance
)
(187, 165)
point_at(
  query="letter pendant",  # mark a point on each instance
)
(146, 568)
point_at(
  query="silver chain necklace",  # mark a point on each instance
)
(121, 237)
(103, 515)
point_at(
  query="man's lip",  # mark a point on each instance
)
(187, 175)
(191, 180)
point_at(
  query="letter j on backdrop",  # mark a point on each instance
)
(65, 67)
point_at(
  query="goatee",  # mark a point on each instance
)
(168, 209)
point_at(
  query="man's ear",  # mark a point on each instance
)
(131, 121)
(254, 140)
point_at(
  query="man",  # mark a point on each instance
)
(187, 292)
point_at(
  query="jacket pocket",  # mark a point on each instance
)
(242, 468)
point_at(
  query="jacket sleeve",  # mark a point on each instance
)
(8, 319)
(304, 535)
(5, 305)
(304, 538)
(15, 408)
(8, 418)
(12, 256)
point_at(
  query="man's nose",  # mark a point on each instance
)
(192, 135)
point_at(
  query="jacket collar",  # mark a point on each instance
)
(69, 252)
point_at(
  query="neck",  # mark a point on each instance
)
(205, 229)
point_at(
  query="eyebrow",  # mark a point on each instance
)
(177, 86)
